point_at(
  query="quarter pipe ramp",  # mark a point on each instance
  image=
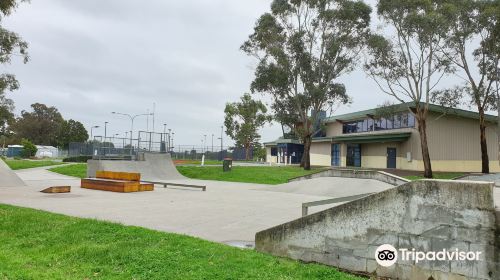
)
(154, 167)
(8, 178)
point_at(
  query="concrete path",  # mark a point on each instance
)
(225, 212)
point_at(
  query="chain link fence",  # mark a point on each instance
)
(120, 147)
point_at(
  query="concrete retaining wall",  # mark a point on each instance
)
(355, 173)
(428, 215)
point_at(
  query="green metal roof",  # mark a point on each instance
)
(372, 138)
(322, 139)
(282, 141)
(403, 107)
(351, 138)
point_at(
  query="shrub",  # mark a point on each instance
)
(77, 159)
(29, 150)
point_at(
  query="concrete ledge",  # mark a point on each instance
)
(425, 215)
(356, 173)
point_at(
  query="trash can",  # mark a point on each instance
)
(227, 164)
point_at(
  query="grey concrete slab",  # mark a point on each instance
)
(331, 187)
(226, 211)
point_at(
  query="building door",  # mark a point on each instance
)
(391, 157)
(335, 154)
(354, 155)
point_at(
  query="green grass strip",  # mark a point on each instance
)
(40, 245)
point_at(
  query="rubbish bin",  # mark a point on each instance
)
(227, 164)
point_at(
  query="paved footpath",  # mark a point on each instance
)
(225, 212)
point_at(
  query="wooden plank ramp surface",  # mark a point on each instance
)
(110, 185)
(57, 189)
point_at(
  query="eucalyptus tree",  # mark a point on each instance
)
(11, 44)
(243, 120)
(303, 47)
(473, 46)
(406, 63)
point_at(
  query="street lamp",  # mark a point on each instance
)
(105, 130)
(205, 141)
(212, 142)
(173, 133)
(91, 131)
(132, 118)
(169, 130)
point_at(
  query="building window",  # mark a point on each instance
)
(402, 120)
(274, 152)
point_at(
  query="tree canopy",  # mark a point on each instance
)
(10, 44)
(71, 131)
(302, 48)
(472, 45)
(243, 120)
(41, 126)
(407, 64)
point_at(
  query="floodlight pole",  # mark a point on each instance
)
(132, 118)
(92, 131)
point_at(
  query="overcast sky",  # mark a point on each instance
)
(92, 57)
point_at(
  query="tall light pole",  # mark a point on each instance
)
(221, 135)
(221, 147)
(169, 130)
(205, 141)
(212, 142)
(105, 130)
(132, 118)
(92, 131)
(173, 133)
(154, 111)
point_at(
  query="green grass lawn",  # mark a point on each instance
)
(16, 164)
(248, 174)
(75, 170)
(196, 162)
(444, 176)
(40, 245)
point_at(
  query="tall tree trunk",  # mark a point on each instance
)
(485, 162)
(422, 130)
(247, 151)
(307, 155)
(498, 124)
(303, 159)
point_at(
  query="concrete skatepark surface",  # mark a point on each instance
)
(227, 212)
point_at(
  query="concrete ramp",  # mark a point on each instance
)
(427, 215)
(8, 178)
(153, 167)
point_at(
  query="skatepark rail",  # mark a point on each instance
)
(306, 205)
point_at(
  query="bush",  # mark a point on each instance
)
(77, 159)
(29, 150)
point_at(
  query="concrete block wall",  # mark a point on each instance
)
(428, 215)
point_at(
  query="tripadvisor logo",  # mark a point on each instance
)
(386, 255)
